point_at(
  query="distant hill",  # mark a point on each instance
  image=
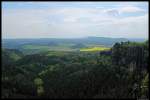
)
(106, 41)
(137, 39)
(79, 45)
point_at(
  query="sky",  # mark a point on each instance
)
(74, 19)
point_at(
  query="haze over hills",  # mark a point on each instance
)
(53, 41)
(31, 46)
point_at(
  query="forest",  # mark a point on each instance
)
(118, 72)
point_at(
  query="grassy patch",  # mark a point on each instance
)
(48, 48)
(57, 53)
(14, 56)
(35, 47)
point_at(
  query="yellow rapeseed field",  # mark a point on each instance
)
(95, 49)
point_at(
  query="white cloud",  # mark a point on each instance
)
(133, 27)
(112, 12)
(123, 10)
(130, 9)
(73, 22)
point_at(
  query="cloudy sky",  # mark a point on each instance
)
(74, 19)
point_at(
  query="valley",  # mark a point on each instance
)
(73, 70)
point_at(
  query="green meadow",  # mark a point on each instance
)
(30, 49)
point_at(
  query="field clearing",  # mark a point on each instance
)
(57, 53)
(62, 48)
(44, 48)
(14, 56)
(35, 47)
(94, 45)
(95, 49)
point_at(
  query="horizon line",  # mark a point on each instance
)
(74, 37)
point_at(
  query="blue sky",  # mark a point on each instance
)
(74, 19)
